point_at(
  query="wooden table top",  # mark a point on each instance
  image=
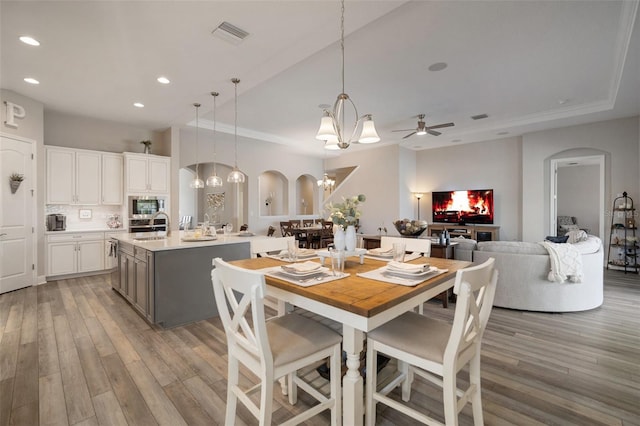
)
(358, 295)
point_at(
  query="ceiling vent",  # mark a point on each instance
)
(479, 116)
(230, 33)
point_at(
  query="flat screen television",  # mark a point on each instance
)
(474, 206)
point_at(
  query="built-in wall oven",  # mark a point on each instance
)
(141, 211)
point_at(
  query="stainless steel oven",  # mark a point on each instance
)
(145, 225)
(143, 207)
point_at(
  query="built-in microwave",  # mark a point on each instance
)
(143, 207)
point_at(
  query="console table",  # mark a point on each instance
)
(474, 232)
(443, 251)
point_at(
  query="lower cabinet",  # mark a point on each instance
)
(136, 278)
(72, 253)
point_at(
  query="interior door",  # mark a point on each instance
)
(17, 210)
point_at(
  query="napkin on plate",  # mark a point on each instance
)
(407, 267)
(302, 267)
(381, 251)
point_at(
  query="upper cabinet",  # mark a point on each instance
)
(112, 172)
(73, 176)
(147, 174)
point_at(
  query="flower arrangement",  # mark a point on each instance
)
(346, 213)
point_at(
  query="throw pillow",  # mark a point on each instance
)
(560, 240)
(576, 236)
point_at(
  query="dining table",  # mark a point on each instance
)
(359, 304)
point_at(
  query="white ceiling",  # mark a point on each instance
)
(529, 65)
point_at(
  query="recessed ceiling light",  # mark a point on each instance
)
(438, 66)
(30, 41)
(138, 105)
(31, 80)
(163, 80)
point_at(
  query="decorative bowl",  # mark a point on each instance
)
(410, 228)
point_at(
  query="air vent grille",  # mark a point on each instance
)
(229, 32)
(479, 116)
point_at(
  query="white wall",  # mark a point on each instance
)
(488, 165)
(578, 195)
(618, 139)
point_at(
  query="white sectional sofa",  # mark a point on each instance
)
(523, 276)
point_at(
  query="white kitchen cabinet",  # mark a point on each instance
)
(72, 253)
(73, 176)
(112, 175)
(147, 174)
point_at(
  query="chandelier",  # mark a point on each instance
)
(214, 180)
(326, 183)
(332, 129)
(236, 176)
(197, 183)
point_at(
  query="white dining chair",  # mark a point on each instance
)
(436, 350)
(413, 245)
(262, 247)
(271, 349)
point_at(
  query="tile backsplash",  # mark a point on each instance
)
(99, 215)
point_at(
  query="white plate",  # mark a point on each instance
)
(411, 275)
(293, 274)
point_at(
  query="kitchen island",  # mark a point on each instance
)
(168, 280)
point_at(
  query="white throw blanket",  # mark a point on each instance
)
(566, 262)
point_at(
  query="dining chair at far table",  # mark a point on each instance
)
(436, 350)
(271, 349)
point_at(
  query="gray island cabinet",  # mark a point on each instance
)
(168, 281)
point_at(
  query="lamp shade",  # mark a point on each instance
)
(327, 129)
(421, 132)
(369, 134)
(214, 180)
(332, 144)
(197, 183)
(236, 176)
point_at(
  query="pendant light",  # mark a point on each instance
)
(331, 130)
(214, 180)
(197, 183)
(236, 176)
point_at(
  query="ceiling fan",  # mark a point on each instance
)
(423, 129)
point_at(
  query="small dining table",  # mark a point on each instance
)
(360, 304)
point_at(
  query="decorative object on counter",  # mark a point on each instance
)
(410, 228)
(147, 146)
(214, 180)
(332, 130)
(382, 229)
(114, 222)
(197, 183)
(85, 214)
(236, 176)
(15, 179)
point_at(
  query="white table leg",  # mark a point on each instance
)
(352, 383)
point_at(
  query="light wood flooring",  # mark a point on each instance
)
(74, 352)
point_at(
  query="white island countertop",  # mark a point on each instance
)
(175, 240)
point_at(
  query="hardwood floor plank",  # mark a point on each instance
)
(152, 360)
(161, 406)
(9, 354)
(6, 396)
(207, 398)
(133, 405)
(51, 400)
(76, 392)
(175, 362)
(97, 380)
(189, 408)
(108, 410)
(25, 389)
(47, 352)
(99, 337)
(29, 327)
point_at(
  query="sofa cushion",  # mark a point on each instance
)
(465, 243)
(590, 245)
(516, 247)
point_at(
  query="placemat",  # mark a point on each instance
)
(324, 276)
(407, 257)
(381, 274)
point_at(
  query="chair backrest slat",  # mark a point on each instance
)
(263, 246)
(420, 245)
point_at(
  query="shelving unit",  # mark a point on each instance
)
(623, 242)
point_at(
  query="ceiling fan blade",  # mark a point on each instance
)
(433, 132)
(403, 130)
(410, 134)
(440, 126)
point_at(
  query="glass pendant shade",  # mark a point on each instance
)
(369, 134)
(327, 130)
(214, 180)
(332, 144)
(236, 176)
(197, 183)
